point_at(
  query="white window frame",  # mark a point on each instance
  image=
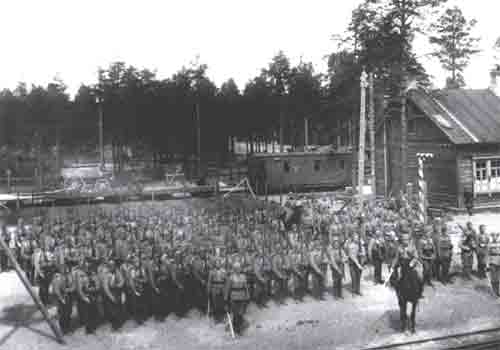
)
(486, 184)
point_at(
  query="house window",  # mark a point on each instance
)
(481, 170)
(341, 164)
(286, 166)
(495, 168)
(317, 165)
(487, 175)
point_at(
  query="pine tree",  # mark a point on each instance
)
(454, 44)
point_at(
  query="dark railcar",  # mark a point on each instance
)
(299, 171)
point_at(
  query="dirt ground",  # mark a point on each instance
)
(352, 323)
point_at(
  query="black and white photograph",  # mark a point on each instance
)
(243, 175)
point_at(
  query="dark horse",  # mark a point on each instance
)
(409, 287)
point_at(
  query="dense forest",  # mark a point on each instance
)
(162, 117)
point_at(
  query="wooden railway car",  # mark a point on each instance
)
(298, 171)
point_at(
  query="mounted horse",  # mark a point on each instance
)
(407, 280)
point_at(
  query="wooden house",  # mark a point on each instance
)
(461, 128)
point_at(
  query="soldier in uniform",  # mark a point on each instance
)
(63, 287)
(88, 286)
(248, 269)
(137, 294)
(177, 286)
(337, 259)
(199, 273)
(261, 272)
(26, 249)
(354, 251)
(376, 254)
(494, 262)
(427, 253)
(112, 286)
(162, 278)
(482, 251)
(279, 277)
(318, 278)
(215, 289)
(236, 297)
(444, 255)
(467, 247)
(46, 272)
(407, 255)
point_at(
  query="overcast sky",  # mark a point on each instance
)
(235, 38)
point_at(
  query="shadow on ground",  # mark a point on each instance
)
(21, 316)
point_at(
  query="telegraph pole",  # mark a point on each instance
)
(371, 128)
(306, 132)
(198, 136)
(362, 135)
(101, 131)
(404, 135)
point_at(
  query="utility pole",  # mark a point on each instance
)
(362, 136)
(198, 136)
(282, 128)
(306, 132)
(404, 136)
(101, 131)
(371, 128)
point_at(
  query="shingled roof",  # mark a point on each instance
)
(465, 116)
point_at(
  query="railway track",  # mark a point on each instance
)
(484, 339)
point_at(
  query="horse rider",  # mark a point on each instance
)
(427, 254)
(406, 257)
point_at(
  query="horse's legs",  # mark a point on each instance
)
(402, 314)
(413, 314)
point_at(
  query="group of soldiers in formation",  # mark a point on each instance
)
(137, 263)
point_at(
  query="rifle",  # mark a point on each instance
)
(230, 325)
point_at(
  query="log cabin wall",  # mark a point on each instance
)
(423, 137)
